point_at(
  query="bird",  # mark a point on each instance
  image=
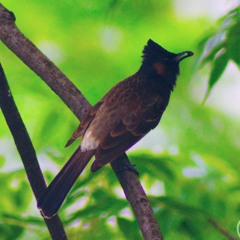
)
(130, 110)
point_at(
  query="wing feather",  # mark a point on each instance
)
(84, 124)
(133, 126)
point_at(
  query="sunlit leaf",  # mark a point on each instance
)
(213, 45)
(2, 160)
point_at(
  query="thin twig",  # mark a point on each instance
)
(26, 151)
(221, 230)
(73, 98)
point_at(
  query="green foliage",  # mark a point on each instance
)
(195, 176)
(222, 46)
(128, 227)
(219, 65)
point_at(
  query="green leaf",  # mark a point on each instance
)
(233, 43)
(157, 164)
(219, 66)
(128, 228)
(184, 208)
(8, 232)
(19, 220)
(191, 229)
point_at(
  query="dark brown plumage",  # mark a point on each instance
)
(120, 119)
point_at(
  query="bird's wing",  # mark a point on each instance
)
(132, 127)
(84, 124)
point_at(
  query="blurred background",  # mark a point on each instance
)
(189, 165)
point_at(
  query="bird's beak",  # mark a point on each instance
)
(182, 55)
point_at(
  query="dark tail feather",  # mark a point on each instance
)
(53, 197)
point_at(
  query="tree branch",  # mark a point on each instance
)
(73, 98)
(40, 64)
(136, 196)
(26, 151)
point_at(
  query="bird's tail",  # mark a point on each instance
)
(53, 197)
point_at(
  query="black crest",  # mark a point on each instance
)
(153, 51)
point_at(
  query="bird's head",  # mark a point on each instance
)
(160, 62)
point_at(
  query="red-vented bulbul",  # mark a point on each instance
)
(120, 119)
